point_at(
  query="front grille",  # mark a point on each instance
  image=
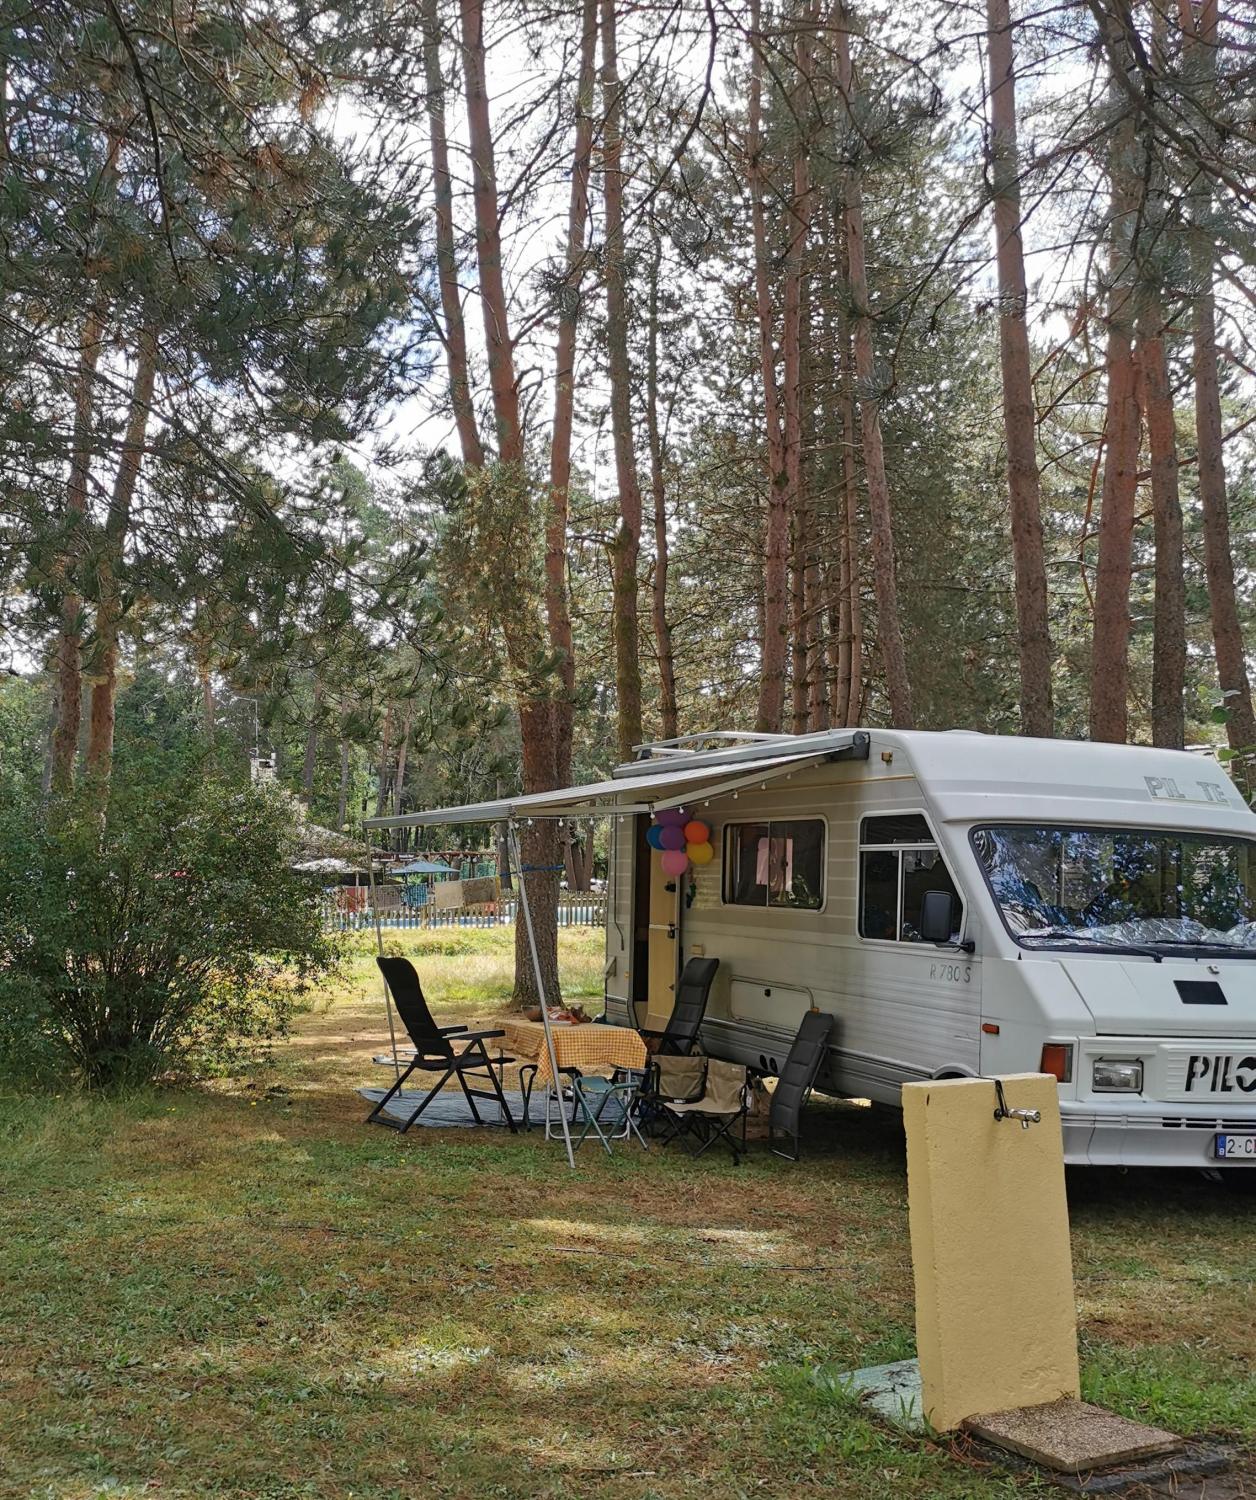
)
(1170, 1123)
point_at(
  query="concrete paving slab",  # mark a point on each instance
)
(891, 1390)
(1201, 1471)
(1072, 1436)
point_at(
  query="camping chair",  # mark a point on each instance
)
(451, 1051)
(669, 1080)
(610, 1109)
(527, 1080)
(700, 1123)
(680, 1035)
(797, 1079)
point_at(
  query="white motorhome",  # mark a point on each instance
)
(1102, 922)
(964, 905)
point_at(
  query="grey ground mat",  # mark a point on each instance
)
(449, 1109)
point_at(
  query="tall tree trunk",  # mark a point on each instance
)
(833, 578)
(798, 694)
(851, 572)
(342, 807)
(488, 243)
(1109, 685)
(1202, 36)
(776, 539)
(385, 763)
(1168, 652)
(839, 622)
(889, 625)
(658, 492)
(578, 863)
(309, 761)
(831, 401)
(1019, 413)
(109, 595)
(539, 844)
(503, 856)
(557, 602)
(50, 725)
(1155, 392)
(446, 259)
(399, 785)
(819, 708)
(797, 228)
(65, 736)
(69, 684)
(626, 552)
(1109, 712)
(539, 851)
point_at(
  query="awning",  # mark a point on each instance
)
(331, 865)
(671, 785)
(423, 867)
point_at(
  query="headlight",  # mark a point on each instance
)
(1117, 1075)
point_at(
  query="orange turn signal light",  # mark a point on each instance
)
(1057, 1059)
(990, 1028)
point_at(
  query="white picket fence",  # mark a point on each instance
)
(575, 909)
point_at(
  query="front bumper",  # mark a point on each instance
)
(1155, 1135)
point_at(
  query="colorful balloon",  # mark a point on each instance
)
(675, 861)
(700, 854)
(697, 833)
(654, 837)
(671, 837)
(671, 817)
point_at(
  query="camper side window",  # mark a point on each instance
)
(774, 864)
(898, 863)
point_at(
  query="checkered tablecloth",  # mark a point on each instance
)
(584, 1047)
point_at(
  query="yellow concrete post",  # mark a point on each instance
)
(996, 1323)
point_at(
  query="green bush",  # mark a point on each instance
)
(29, 1051)
(171, 938)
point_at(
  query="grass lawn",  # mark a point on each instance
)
(241, 1290)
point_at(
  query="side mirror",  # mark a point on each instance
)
(937, 916)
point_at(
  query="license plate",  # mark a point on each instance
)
(1234, 1148)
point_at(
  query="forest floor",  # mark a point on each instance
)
(240, 1290)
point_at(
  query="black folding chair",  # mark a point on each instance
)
(451, 1051)
(679, 1037)
(798, 1076)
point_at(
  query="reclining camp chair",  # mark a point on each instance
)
(698, 1124)
(451, 1051)
(680, 1035)
(797, 1079)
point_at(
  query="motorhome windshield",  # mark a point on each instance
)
(1130, 888)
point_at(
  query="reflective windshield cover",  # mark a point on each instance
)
(1121, 886)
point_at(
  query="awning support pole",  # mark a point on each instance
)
(525, 904)
(379, 944)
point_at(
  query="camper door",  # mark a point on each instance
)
(642, 929)
(621, 880)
